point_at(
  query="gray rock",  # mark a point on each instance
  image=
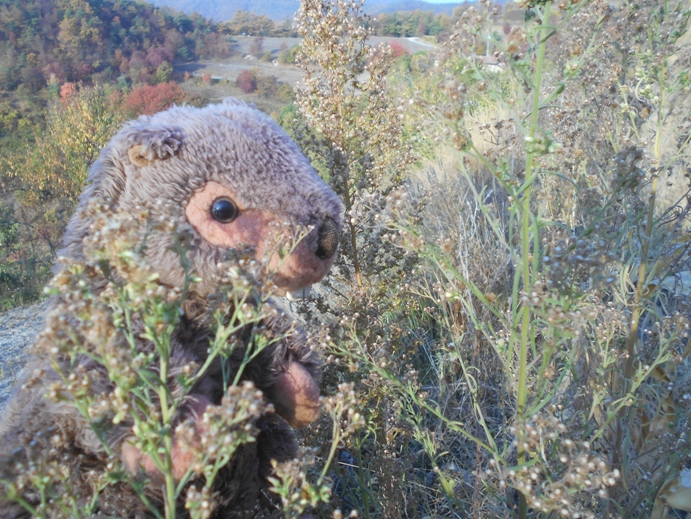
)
(18, 328)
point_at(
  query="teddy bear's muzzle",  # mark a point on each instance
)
(309, 260)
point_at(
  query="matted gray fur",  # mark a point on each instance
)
(176, 153)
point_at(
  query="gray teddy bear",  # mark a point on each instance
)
(232, 176)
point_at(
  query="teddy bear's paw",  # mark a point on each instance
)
(182, 456)
(296, 396)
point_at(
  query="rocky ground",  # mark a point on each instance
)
(18, 327)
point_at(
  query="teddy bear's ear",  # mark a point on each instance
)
(137, 157)
(149, 143)
(140, 144)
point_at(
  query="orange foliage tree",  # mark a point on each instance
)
(149, 99)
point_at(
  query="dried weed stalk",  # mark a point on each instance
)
(109, 341)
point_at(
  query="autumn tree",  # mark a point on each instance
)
(246, 23)
(42, 181)
(164, 72)
(257, 47)
(397, 49)
(150, 99)
(54, 165)
(421, 28)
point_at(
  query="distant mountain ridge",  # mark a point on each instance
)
(223, 10)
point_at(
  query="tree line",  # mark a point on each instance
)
(397, 24)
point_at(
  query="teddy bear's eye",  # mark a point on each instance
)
(224, 210)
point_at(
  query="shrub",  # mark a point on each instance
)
(23, 271)
(257, 46)
(246, 81)
(360, 147)
(271, 88)
(164, 72)
(397, 49)
(288, 56)
(522, 348)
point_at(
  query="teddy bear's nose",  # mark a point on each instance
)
(327, 239)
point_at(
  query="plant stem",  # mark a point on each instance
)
(344, 171)
(642, 270)
(353, 235)
(526, 243)
(167, 439)
(335, 440)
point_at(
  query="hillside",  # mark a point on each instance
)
(53, 41)
(222, 10)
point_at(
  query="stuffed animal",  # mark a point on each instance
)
(235, 179)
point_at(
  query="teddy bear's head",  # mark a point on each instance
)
(233, 175)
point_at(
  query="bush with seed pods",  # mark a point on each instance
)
(533, 355)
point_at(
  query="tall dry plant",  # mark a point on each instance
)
(354, 122)
(535, 361)
(351, 125)
(588, 331)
